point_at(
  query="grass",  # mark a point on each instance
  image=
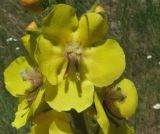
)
(134, 23)
(139, 30)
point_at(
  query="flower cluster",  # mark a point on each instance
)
(71, 68)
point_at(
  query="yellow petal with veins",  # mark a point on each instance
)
(70, 93)
(27, 109)
(21, 116)
(92, 28)
(104, 63)
(102, 118)
(60, 127)
(106, 125)
(60, 24)
(49, 58)
(30, 43)
(13, 77)
(127, 107)
(50, 123)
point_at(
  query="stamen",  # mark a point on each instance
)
(33, 76)
(120, 95)
(110, 112)
(78, 76)
(76, 64)
(30, 96)
(112, 119)
(36, 80)
(73, 54)
(112, 95)
(115, 95)
(67, 70)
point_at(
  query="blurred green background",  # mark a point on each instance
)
(134, 23)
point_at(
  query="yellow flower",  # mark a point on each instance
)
(21, 80)
(110, 119)
(123, 99)
(74, 56)
(51, 122)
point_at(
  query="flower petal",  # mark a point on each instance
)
(60, 127)
(107, 126)
(92, 27)
(122, 129)
(27, 44)
(69, 94)
(21, 116)
(49, 58)
(25, 110)
(30, 44)
(127, 107)
(45, 123)
(107, 61)
(60, 24)
(38, 100)
(12, 77)
(102, 119)
(26, 40)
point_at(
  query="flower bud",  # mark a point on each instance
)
(31, 26)
(35, 6)
(100, 9)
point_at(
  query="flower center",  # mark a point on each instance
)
(115, 94)
(35, 79)
(73, 55)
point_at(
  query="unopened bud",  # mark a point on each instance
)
(100, 9)
(35, 6)
(31, 26)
